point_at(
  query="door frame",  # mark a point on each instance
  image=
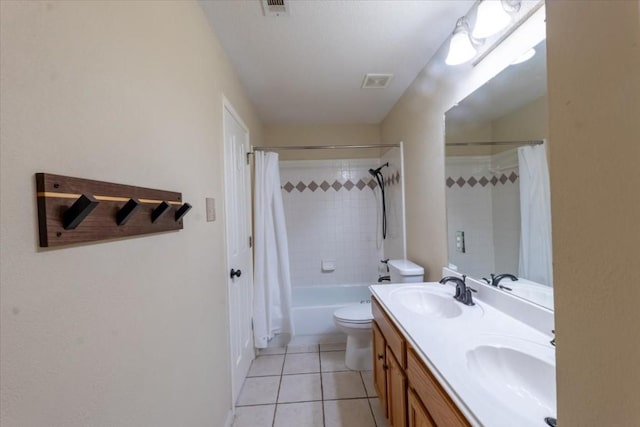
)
(226, 105)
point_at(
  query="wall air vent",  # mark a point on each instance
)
(376, 81)
(275, 8)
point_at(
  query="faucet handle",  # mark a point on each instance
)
(467, 297)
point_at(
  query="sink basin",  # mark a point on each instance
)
(522, 373)
(427, 302)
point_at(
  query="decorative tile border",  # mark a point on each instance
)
(337, 185)
(483, 181)
(392, 180)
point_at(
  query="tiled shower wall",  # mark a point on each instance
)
(394, 247)
(469, 209)
(486, 206)
(331, 211)
(506, 213)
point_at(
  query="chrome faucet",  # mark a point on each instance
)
(384, 279)
(463, 292)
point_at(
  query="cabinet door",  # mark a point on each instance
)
(396, 392)
(417, 414)
(379, 367)
(441, 408)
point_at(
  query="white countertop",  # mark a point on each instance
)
(443, 343)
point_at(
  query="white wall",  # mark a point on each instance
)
(130, 332)
(593, 52)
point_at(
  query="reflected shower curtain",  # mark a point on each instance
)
(272, 280)
(535, 211)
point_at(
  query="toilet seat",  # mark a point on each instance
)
(355, 314)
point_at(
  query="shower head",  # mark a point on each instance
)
(375, 172)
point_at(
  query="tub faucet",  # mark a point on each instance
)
(384, 279)
(386, 263)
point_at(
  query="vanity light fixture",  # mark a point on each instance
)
(494, 16)
(461, 47)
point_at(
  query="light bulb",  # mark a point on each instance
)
(461, 49)
(491, 19)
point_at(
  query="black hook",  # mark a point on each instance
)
(126, 212)
(80, 209)
(160, 210)
(182, 211)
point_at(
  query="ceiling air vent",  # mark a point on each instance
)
(275, 8)
(376, 81)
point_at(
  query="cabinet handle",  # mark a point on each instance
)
(385, 366)
(380, 357)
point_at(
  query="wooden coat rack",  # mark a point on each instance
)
(76, 210)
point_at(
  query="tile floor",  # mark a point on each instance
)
(307, 386)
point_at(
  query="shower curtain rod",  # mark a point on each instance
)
(461, 144)
(322, 147)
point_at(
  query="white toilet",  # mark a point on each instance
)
(355, 320)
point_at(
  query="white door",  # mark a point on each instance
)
(239, 254)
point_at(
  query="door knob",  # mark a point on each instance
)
(235, 273)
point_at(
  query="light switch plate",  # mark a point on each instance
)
(211, 209)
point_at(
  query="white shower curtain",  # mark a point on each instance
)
(272, 280)
(535, 211)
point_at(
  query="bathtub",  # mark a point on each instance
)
(313, 306)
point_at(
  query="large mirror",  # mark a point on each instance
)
(497, 182)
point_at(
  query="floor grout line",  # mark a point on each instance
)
(254, 404)
(306, 401)
(324, 422)
(375, 422)
(275, 409)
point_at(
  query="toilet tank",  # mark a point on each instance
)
(405, 271)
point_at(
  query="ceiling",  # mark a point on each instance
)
(307, 67)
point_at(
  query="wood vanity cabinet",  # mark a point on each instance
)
(418, 415)
(388, 373)
(410, 396)
(380, 367)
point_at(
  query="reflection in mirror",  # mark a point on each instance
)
(497, 182)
